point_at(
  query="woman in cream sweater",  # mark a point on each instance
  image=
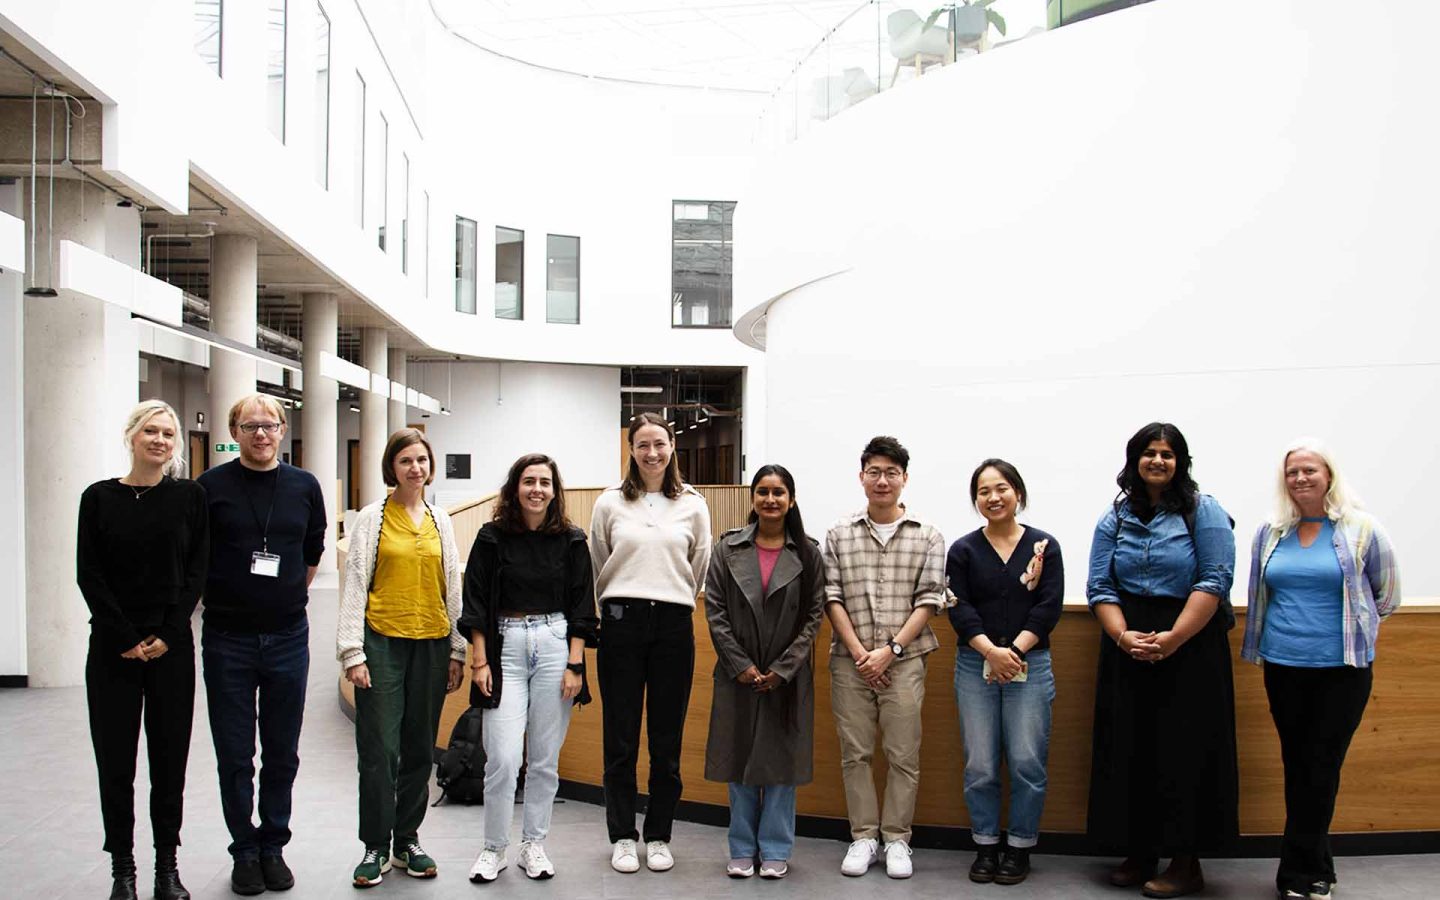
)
(401, 650)
(650, 545)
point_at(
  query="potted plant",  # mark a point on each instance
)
(970, 20)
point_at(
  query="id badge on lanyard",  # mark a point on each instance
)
(267, 564)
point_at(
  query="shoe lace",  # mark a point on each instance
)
(371, 856)
(627, 847)
(413, 848)
(536, 852)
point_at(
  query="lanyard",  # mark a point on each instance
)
(265, 528)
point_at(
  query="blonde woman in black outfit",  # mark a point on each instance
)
(142, 552)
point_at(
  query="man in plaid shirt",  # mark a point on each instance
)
(884, 579)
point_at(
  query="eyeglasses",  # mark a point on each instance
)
(267, 427)
(886, 474)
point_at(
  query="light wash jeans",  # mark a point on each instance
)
(1013, 718)
(762, 821)
(529, 724)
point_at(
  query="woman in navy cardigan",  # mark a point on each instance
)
(1008, 582)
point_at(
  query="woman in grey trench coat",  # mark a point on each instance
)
(764, 595)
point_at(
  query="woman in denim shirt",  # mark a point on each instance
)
(1322, 577)
(1163, 776)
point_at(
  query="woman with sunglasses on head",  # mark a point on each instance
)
(1323, 577)
(764, 596)
(1163, 776)
(530, 613)
(1009, 585)
(399, 645)
(650, 543)
(141, 557)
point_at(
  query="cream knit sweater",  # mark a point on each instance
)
(360, 566)
(645, 553)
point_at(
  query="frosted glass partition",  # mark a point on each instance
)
(882, 44)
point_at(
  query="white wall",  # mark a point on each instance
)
(12, 447)
(505, 410)
(1157, 214)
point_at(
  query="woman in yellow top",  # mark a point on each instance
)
(400, 649)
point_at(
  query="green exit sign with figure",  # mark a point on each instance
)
(227, 448)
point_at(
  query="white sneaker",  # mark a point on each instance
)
(488, 865)
(897, 860)
(657, 857)
(862, 854)
(534, 861)
(623, 858)
(740, 868)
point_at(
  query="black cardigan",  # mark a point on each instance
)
(991, 598)
(482, 602)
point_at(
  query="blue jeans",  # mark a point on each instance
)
(529, 724)
(762, 821)
(1014, 719)
(239, 667)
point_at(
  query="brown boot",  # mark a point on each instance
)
(1181, 878)
(1134, 870)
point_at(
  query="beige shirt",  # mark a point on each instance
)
(649, 549)
(880, 584)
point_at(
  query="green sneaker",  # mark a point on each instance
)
(416, 862)
(372, 868)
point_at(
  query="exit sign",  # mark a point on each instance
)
(227, 448)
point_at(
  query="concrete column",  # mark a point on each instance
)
(233, 272)
(398, 372)
(374, 416)
(80, 380)
(318, 426)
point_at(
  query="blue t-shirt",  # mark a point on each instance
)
(1303, 619)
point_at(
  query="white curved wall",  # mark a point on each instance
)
(1170, 212)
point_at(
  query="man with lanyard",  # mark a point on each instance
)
(267, 524)
(884, 579)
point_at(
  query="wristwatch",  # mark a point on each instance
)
(896, 649)
(577, 668)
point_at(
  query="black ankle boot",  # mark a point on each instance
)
(122, 869)
(167, 876)
(1014, 865)
(982, 870)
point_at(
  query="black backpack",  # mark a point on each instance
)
(460, 770)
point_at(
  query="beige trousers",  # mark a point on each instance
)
(895, 709)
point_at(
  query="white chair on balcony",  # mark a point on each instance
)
(911, 43)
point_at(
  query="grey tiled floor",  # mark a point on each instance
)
(50, 829)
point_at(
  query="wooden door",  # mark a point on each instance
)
(199, 452)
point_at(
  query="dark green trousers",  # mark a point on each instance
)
(395, 723)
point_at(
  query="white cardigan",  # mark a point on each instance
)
(360, 568)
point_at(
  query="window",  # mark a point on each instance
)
(426, 265)
(275, 68)
(702, 264)
(405, 218)
(360, 150)
(322, 98)
(384, 177)
(209, 26)
(509, 273)
(465, 250)
(562, 279)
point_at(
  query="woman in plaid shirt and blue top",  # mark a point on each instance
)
(1322, 577)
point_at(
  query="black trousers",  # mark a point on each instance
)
(1163, 774)
(646, 662)
(119, 691)
(1316, 712)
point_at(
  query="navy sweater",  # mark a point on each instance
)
(240, 498)
(991, 598)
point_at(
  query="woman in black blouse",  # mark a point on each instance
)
(529, 609)
(1009, 584)
(141, 555)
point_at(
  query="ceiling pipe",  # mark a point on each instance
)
(266, 338)
(148, 268)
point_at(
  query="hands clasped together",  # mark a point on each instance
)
(760, 684)
(150, 648)
(1152, 646)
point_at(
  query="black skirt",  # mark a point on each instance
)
(1163, 776)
